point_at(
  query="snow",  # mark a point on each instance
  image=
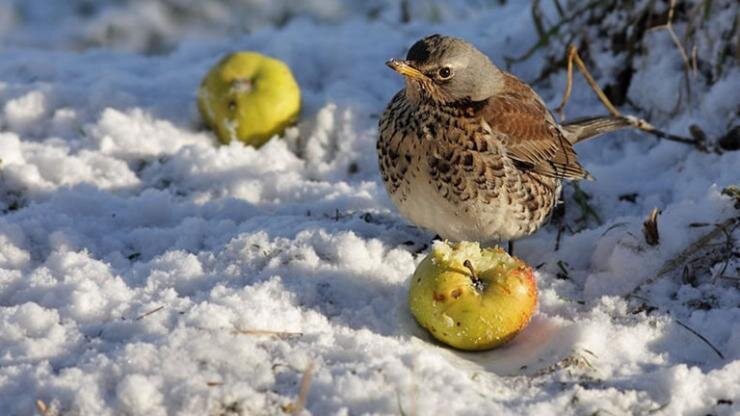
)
(147, 269)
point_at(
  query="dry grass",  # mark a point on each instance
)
(296, 407)
(650, 228)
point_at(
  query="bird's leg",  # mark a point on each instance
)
(558, 218)
(510, 247)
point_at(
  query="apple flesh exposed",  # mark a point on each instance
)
(472, 298)
(249, 97)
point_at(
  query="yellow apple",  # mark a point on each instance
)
(250, 97)
(472, 298)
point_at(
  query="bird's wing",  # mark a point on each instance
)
(530, 135)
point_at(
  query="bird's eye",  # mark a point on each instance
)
(445, 72)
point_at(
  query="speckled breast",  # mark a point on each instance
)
(448, 173)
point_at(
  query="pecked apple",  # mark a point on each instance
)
(472, 298)
(249, 97)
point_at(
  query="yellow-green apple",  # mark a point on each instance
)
(250, 97)
(472, 298)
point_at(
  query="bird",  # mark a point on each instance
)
(470, 151)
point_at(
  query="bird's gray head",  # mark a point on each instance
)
(448, 69)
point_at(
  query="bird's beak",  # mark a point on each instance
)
(403, 68)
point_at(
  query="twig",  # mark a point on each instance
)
(563, 273)
(300, 403)
(701, 337)
(581, 199)
(683, 257)
(568, 83)
(558, 237)
(672, 264)
(688, 328)
(650, 228)
(155, 310)
(613, 226)
(262, 332)
(733, 191)
(543, 40)
(691, 65)
(659, 408)
(645, 126)
(575, 359)
(537, 19)
(633, 121)
(42, 408)
(405, 11)
(729, 245)
(559, 8)
(399, 404)
(668, 26)
(574, 57)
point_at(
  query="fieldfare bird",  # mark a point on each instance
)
(471, 152)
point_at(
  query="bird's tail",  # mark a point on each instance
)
(585, 128)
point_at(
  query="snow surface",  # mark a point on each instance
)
(147, 270)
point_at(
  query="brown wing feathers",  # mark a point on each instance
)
(529, 134)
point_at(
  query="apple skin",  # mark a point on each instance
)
(249, 97)
(445, 299)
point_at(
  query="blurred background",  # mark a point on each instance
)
(615, 37)
(157, 26)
